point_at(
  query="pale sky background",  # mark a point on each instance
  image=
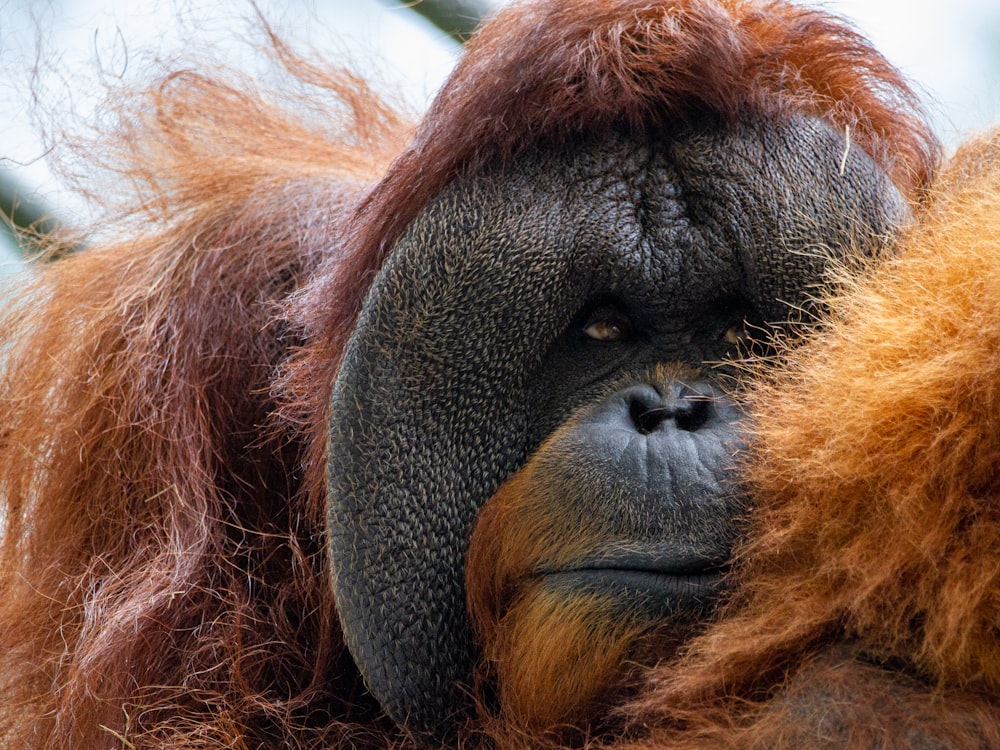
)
(951, 50)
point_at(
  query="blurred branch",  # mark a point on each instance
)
(456, 18)
(25, 220)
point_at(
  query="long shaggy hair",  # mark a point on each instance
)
(163, 571)
(163, 580)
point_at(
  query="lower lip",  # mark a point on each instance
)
(661, 584)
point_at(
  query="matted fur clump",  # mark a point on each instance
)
(871, 578)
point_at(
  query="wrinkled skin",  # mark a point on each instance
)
(471, 350)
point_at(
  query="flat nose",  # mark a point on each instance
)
(686, 406)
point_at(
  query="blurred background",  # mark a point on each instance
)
(54, 55)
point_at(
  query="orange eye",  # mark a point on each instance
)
(608, 327)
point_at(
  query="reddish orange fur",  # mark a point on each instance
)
(876, 470)
(163, 577)
(556, 662)
(163, 580)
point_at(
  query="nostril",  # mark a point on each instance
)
(646, 408)
(692, 411)
(647, 419)
(649, 409)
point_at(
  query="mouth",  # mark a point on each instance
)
(663, 579)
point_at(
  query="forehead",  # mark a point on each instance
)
(750, 208)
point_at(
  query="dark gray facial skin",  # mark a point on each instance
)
(645, 477)
(468, 352)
